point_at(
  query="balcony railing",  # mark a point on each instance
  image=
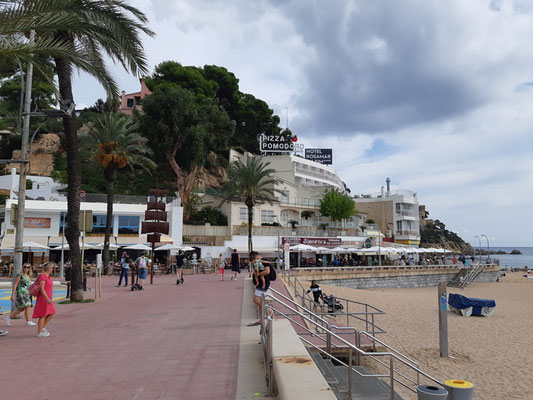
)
(119, 199)
(407, 213)
(319, 175)
(407, 233)
(301, 202)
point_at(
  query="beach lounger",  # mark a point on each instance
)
(468, 306)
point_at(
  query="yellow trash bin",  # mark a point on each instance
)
(459, 389)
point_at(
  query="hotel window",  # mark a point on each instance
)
(129, 103)
(268, 216)
(99, 224)
(284, 195)
(128, 224)
(243, 213)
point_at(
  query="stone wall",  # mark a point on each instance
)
(393, 278)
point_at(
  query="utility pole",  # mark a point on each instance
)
(19, 226)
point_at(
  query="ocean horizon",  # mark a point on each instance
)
(512, 260)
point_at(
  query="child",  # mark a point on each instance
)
(259, 266)
(221, 266)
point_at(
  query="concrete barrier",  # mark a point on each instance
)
(296, 375)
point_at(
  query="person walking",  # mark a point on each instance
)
(125, 264)
(3, 333)
(180, 260)
(235, 264)
(44, 307)
(317, 293)
(21, 296)
(142, 263)
(221, 266)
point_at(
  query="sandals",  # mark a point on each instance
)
(254, 323)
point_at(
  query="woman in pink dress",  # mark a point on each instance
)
(44, 307)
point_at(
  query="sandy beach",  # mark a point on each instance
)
(496, 353)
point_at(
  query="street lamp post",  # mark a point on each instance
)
(488, 246)
(279, 256)
(479, 240)
(19, 228)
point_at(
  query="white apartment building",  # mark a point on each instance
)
(300, 184)
(44, 222)
(395, 212)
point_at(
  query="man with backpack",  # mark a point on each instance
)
(142, 264)
(262, 276)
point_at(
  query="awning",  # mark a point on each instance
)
(260, 250)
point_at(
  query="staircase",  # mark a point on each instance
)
(363, 388)
(466, 276)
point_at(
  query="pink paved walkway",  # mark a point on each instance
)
(167, 342)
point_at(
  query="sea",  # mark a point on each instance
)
(513, 260)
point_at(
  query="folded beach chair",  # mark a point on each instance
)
(471, 306)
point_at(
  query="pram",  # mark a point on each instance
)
(332, 303)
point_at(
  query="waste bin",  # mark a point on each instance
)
(426, 392)
(459, 389)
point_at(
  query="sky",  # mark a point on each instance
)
(434, 94)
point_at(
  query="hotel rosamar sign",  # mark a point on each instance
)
(279, 144)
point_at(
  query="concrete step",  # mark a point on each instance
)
(366, 388)
(327, 369)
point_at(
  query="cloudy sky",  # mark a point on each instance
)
(434, 94)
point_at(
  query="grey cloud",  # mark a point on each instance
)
(378, 68)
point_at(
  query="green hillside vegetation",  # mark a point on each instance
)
(434, 232)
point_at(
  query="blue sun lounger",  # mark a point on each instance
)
(471, 306)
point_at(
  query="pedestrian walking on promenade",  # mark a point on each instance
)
(221, 266)
(125, 264)
(21, 296)
(142, 263)
(180, 260)
(235, 264)
(44, 307)
(2, 333)
(261, 280)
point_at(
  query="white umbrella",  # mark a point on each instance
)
(302, 247)
(101, 246)
(187, 248)
(338, 249)
(65, 246)
(139, 246)
(322, 249)
(33, 245)
(167, 247)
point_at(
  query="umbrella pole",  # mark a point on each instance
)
(62, 267)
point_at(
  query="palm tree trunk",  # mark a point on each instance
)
(250, 224)
(72, 232)
(110, 175)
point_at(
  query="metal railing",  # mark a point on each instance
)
(272, 304)
(361, 313)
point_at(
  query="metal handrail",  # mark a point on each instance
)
(370, 310)
(266, 339)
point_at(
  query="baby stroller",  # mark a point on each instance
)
(332, 303)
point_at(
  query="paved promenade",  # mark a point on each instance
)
(167, 342)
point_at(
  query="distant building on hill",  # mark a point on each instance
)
(395, 212)
(130, 101)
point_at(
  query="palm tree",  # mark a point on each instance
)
(88, 29)
(249, 182)
(114, 143)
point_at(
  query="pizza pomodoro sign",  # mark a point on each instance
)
(37, 223)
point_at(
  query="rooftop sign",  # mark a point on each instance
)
(322, 156)
(279, 144)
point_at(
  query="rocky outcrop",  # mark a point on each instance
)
(41, 155)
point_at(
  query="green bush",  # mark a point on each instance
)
(208, 215)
